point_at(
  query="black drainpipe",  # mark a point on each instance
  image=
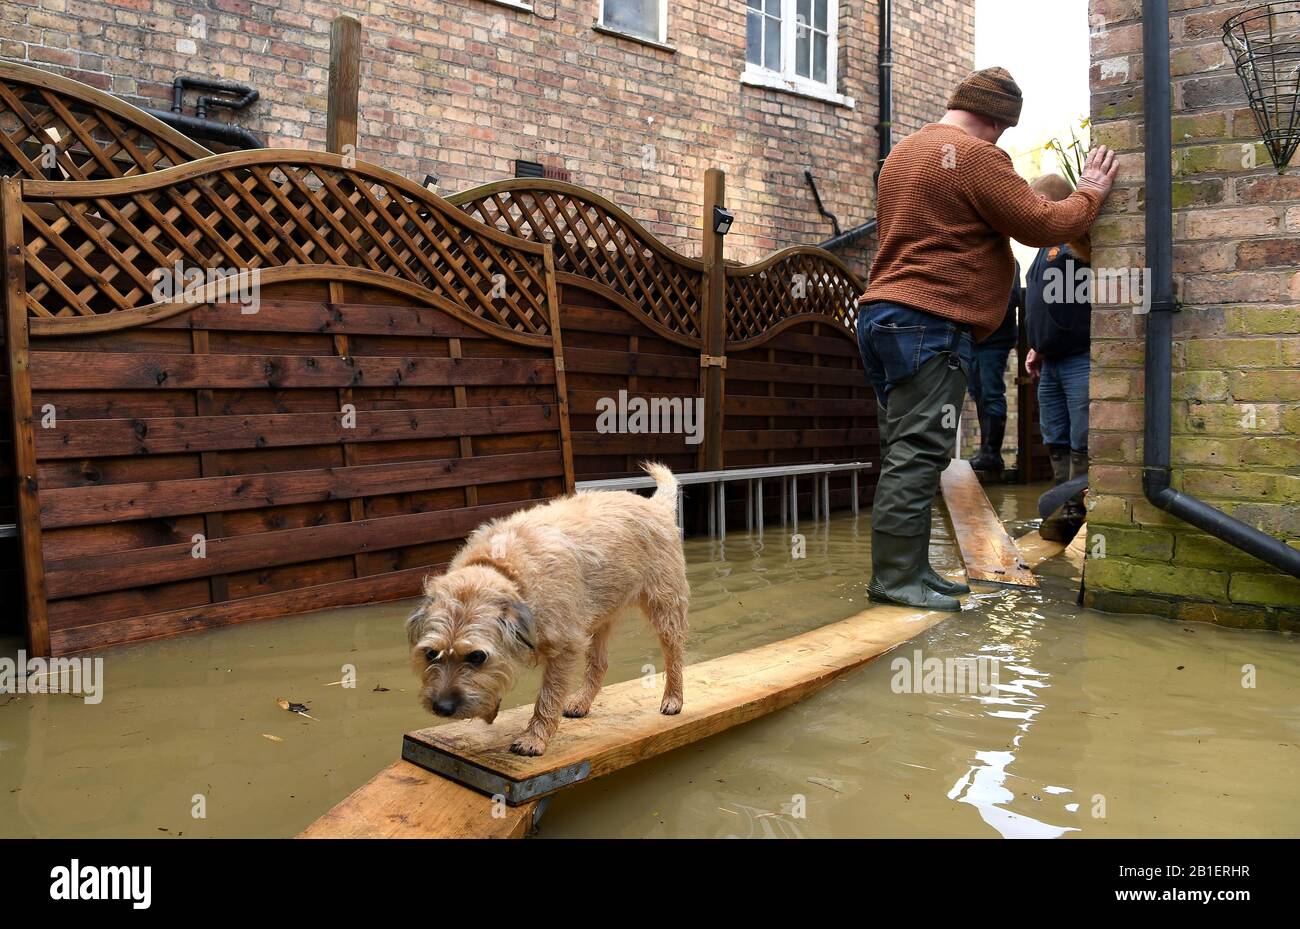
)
(886, 58)
(199, 127)
(821, 208)
(849, 236)
(1159, 339)
(885, 126)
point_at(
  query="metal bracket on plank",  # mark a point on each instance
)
(489, 782)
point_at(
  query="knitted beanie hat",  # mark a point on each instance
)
(992, 93)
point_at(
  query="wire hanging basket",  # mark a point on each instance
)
(1264, 42)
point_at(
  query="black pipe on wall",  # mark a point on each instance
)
(1159, 336)
(199, 127)
(885, 125)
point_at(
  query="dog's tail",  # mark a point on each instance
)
(666, 489)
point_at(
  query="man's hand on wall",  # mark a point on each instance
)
(1099, 171)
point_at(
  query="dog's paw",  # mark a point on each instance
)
(528, 745)
(671, 706)
(575, 709)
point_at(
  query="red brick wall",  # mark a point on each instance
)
(460, 89)
(1236, 390)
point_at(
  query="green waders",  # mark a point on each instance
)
(919, 437)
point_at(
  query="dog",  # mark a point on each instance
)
(544, 586)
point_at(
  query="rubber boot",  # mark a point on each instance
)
(896, 565)
(1059, 527)
(1074, 509)
(933, 579)
(988, 464)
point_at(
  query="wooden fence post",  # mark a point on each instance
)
(20, 386)
(344, 79)
(713, 320)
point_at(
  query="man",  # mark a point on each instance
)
(988, 387)
(1059, 316)
(948, 201)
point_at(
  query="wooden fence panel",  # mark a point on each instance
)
(54, 128)
(615, 364)
(796, 392)
(306, 493)
(198, 460)
(630, 311)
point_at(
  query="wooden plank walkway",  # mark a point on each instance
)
(625, 726)
(990, 555)
(404, 801)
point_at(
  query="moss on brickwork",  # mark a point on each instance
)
(1236, 392)
(1222, 614)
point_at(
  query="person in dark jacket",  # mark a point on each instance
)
(988, 387)
(1058, 310)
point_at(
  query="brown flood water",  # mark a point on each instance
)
(1098, 726)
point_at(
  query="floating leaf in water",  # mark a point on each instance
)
(299, 708)
(379, 689)
(273, 738)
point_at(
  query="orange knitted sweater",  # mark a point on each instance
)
(947, 207)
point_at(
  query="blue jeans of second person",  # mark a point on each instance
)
(1063, 401)
(918, 365)
(988, 384)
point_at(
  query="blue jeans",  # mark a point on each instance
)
(895, 340)
(918, 366)
(1063, 401)
(988, 383)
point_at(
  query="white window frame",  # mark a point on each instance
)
(661, 39)
(786, 79)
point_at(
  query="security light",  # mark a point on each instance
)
(722, 220)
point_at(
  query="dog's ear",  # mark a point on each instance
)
(414, 626)
(520, 624)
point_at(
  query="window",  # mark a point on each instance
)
(645, 19)
(794, 41)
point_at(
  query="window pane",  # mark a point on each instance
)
(803, 17)
(638, 17)
(755, 4)
(802, 49)
(773, 7)
(772, 44)
(819, 57)
(754, 38)
(820, 21)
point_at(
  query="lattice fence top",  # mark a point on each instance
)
(135, 244)
(53, 128)
(595, 240)
(794, 282)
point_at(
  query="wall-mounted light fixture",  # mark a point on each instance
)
(722, 220)
(1264, 42)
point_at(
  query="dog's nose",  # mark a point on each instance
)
(445, 706)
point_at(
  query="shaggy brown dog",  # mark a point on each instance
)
(545, 585)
